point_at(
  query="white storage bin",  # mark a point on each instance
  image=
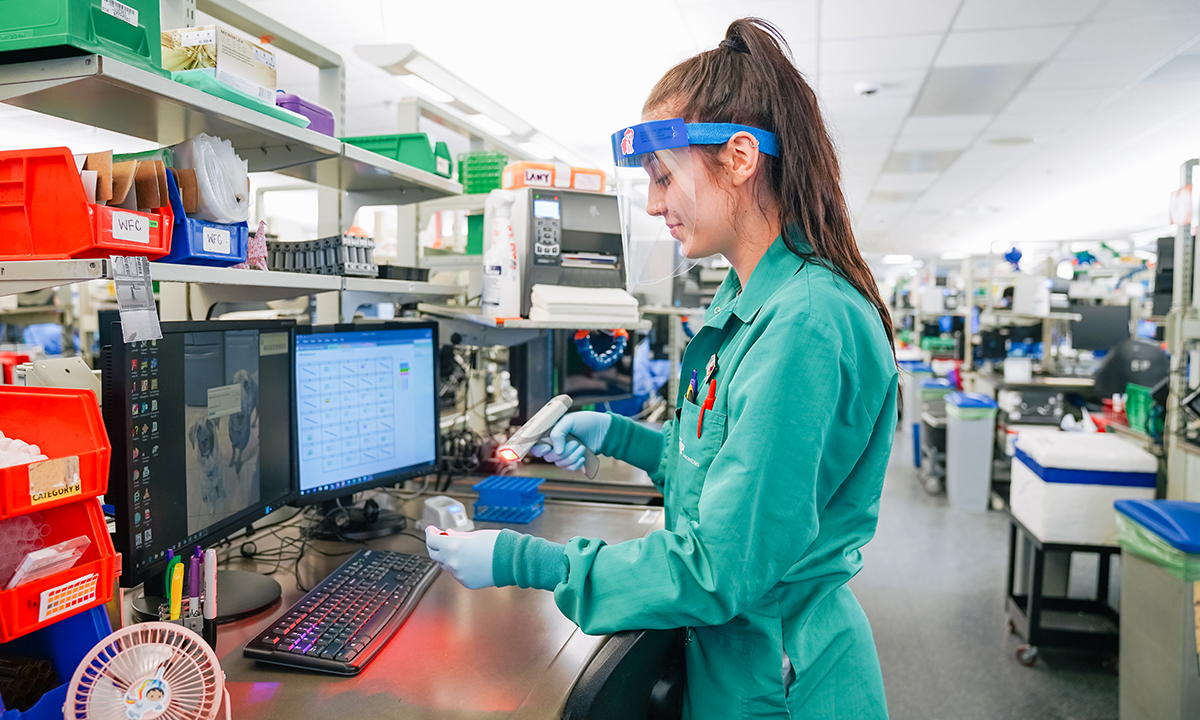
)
(1064, 484)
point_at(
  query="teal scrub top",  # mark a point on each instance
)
(768, 501)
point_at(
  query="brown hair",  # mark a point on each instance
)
(750, 79)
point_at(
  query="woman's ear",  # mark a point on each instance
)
(742, 158)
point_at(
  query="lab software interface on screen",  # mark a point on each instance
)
(365, 405)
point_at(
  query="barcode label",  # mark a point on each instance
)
(264, 57)
(120, 11)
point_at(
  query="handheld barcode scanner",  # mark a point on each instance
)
(536, 431)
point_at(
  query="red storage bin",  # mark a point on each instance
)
(89, 583)
(44, 214)
(9, 361)
(65, 423)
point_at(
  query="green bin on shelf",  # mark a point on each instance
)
(128, 31)
(409, 148)
(1138, 402)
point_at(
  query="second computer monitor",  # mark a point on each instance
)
(1102, 326)
(366, 407)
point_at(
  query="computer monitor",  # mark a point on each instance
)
(588, 386)
(366, 407)
(1102, 326)
(201, 437)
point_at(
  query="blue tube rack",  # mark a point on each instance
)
(508, 499)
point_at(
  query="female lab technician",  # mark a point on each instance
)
(771, 470)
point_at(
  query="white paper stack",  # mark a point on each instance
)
(592, 305)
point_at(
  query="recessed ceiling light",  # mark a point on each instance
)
(1011, 141)
(897, 259)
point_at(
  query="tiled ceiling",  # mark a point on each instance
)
(995, 121)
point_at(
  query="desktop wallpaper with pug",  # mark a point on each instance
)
(222, 424)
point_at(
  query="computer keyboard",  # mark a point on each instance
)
(342, 623)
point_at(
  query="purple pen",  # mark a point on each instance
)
(194, 588)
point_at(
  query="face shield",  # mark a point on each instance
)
(656, 192)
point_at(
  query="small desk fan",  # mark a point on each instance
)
(146, 672)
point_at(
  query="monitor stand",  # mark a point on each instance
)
(352, 524)
(239, 594)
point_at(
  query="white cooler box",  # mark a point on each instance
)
(1064, 484)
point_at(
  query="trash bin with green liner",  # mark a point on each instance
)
(970, 429)
(1160, 609)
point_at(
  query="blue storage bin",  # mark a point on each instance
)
(199, 242)
(64, 644)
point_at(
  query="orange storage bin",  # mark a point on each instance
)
(550, 175)
(88, 583)
(44, 214)
(66, 424)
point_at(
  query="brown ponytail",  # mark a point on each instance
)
(749, 79)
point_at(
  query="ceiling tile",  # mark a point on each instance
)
(905, 180)
(996, 47)
(989, 14)
(887, 53)
(945, 125)
(1097, 72)
(842, 128)
(1138, 37)
(934, 142)
(890, 83)
(920, 161)
(874, 18)
(888, 197)
(1040, 126)
(977, 90)
(1145, 8)
(1056, 101)
(707, 22)
(868, 108)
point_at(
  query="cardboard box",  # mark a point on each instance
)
(230, 58)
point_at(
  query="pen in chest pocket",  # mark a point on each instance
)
(708, 401)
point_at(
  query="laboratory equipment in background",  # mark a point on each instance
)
(566, 237)
(1133, 360)
(366, 416)
(537, 431)
(1031, 295)
(594, 368)
(970, 432)
(1102, 327)
(200, 424)
(1164, 277)
(1160, 615)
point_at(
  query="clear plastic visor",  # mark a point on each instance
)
(656, 192)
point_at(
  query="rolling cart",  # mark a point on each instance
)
(1057, 621)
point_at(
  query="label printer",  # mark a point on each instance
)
(566, 237)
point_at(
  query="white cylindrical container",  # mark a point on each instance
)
(970, 433)
(501, 272)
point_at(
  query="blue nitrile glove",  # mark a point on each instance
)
(589, 427)
(465, 555)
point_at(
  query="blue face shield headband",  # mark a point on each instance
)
(648, 137)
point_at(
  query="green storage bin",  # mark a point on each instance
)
(441, 159)
(481, 172)
(475, 234)
(410, 148)
(125, 30)
(1137, 407)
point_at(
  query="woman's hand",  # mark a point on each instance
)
(466, 556)
(587, 430)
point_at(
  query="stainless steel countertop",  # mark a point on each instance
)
(495, 653)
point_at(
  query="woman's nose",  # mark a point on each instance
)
(655, 201)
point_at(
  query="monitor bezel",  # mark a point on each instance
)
(119, 470)
(394, 478)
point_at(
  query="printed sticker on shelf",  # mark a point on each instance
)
(587, 181)
(264, 57)
(538, 178)
(443, 165)
(120, 11)
(224, 400)
(67, 598)
(131, 228)
(272, 344)
(54, 479)
(207, 36)
(135, 298)
(216, 240)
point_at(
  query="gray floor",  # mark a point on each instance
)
(933, 588)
